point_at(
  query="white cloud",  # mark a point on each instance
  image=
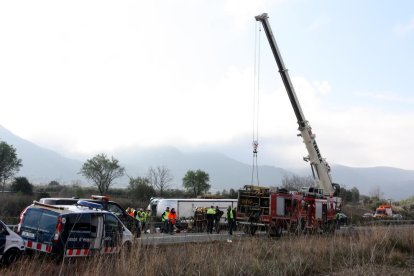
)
(90, 76)
(319, 23)
(387, 97)
(405, 28)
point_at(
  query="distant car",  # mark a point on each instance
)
(131, 223)
(368, 215)
(72, 230)
(11, 245)
(397, 216)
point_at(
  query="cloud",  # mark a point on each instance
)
(402, 29)
(319, 23)
(387, 97)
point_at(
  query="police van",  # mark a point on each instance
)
(130, 222)
(11, 245)
(77, 230)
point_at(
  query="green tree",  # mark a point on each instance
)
(22, 185)
(233, 193)
(140, 189)
(9, 163)
(196, 182)
(102, 171)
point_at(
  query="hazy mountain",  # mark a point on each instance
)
(41, 165)
(393, 182)
(225, 173)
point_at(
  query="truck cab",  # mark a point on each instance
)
(383, 211)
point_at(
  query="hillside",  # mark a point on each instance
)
(41, 165)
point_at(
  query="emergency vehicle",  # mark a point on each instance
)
(11, 245)
(312, 209)
(130, 222)
(281, 210)
(77, 230)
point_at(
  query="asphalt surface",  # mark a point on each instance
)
(184, 237)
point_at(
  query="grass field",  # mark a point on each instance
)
(375, 251)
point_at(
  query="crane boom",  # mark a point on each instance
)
(319, 166)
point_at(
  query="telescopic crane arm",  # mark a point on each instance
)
(320, 168)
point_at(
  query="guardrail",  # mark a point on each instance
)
(389, 222)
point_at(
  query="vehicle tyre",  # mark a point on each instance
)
(272, 231)
(279, 231)
(137, 230)
(252, 229)
(11, 256)
(126, 248)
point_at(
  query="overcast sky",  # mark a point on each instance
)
(84, 77)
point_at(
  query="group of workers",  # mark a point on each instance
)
(141, 215)
(212, 216)
(168, 218)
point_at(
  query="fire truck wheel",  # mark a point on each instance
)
(272, 231)
(278, 231)
(252, 230)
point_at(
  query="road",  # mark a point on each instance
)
(183, 237)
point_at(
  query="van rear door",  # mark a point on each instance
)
(38, 227)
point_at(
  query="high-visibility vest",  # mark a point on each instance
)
(229, 214)
(211, 211)
(165, 216)
(172, 217)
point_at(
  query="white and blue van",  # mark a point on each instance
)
(11, 245)
(73, 230)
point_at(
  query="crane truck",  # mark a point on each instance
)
(312, 208)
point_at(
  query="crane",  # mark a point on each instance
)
(320, 168)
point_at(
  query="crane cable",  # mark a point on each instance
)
(256, 89)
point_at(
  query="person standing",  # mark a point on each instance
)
(230, 220)
(172, 217)
(217, 218)
(164, 219)
(211, 213)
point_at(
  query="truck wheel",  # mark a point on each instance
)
(279, 231)
(272, 231)
(11, 256)
(252, 229)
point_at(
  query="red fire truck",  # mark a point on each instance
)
(305, 211)
(312, 208)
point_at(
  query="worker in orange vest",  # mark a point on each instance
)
(172, 217)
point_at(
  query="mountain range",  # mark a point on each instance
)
(41, 165)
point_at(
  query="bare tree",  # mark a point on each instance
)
(376, 192)
(296, 182)
(160, 178)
